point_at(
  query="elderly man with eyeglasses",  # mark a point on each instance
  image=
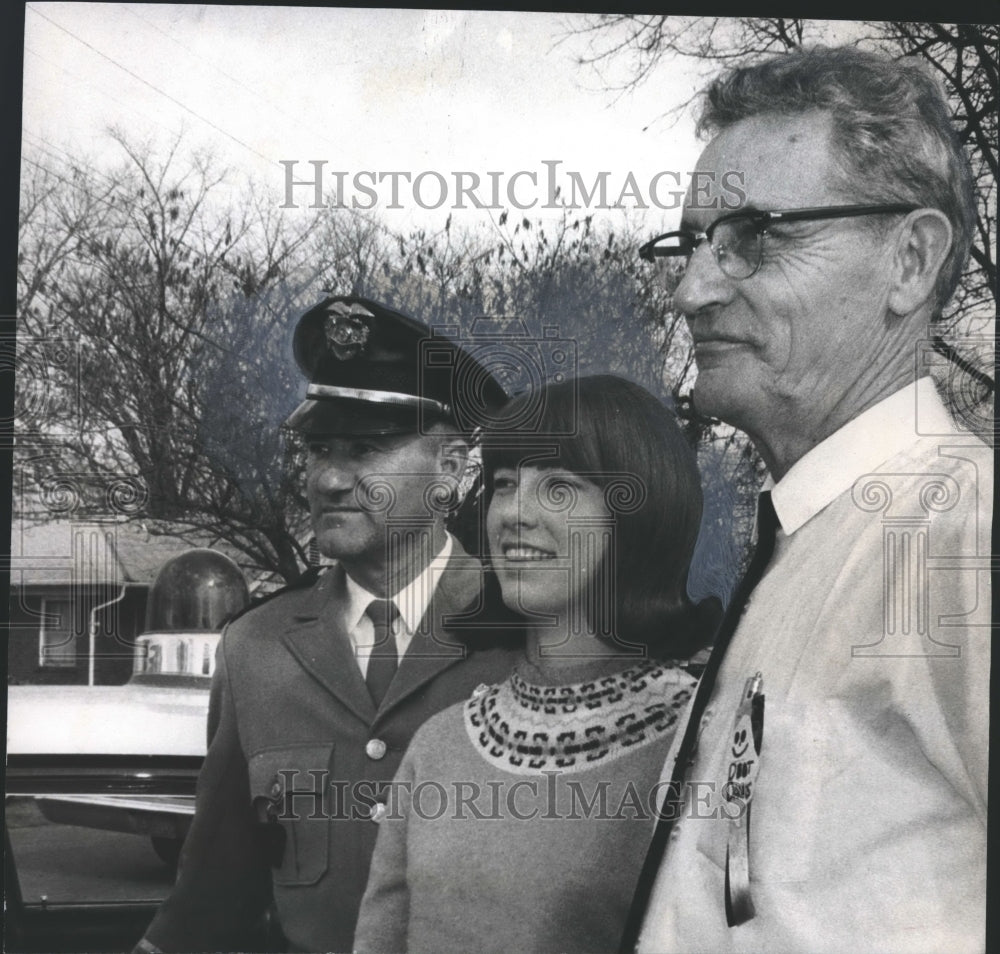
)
(829, 793)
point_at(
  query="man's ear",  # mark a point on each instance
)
(454, 456)
(923, 245)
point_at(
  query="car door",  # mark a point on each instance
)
(99, 792)
(71, 885)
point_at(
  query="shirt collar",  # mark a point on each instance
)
(858, 448)
(411, 601)
(414, 598)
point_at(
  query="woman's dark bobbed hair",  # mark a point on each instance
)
(624, 440)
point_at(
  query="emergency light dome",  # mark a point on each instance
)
(195, 592)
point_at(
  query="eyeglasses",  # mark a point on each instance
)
(737, 239)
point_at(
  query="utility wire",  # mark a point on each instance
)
(152, 86)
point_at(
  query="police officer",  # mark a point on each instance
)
(318, 690)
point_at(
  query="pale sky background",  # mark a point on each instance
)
(383, 90)
(387, 90)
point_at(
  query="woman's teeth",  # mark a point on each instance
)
(527, 553)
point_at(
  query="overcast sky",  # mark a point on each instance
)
(385, 91)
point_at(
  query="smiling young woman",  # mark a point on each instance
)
(506, 805)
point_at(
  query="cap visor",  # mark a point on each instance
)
(351, 418)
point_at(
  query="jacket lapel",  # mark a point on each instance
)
(434, 647)
(317, 639)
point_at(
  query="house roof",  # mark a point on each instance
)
(78, 553)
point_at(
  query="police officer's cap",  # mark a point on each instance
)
(373, 370)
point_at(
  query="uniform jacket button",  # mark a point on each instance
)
(375, 749)
(378, 812)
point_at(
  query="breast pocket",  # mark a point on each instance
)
(290, 789)
(790, 816)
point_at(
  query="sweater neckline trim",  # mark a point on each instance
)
(526, 728)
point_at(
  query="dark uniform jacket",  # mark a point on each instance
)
(298, 756)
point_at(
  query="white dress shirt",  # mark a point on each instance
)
(411, 602)
(871, 629)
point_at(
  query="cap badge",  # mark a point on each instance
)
(346, 330)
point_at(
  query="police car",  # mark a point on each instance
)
(121, 760)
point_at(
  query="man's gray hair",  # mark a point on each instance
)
(893, 133)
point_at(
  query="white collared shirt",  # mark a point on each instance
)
(411, 601)
(859, 447)
(871, 631)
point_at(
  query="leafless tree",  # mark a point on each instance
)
(152, 286)
(175, 298)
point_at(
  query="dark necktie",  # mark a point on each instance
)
(384, 659)
(767, 525)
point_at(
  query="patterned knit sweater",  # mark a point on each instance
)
(519, 820)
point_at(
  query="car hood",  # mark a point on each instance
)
(106, 720)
